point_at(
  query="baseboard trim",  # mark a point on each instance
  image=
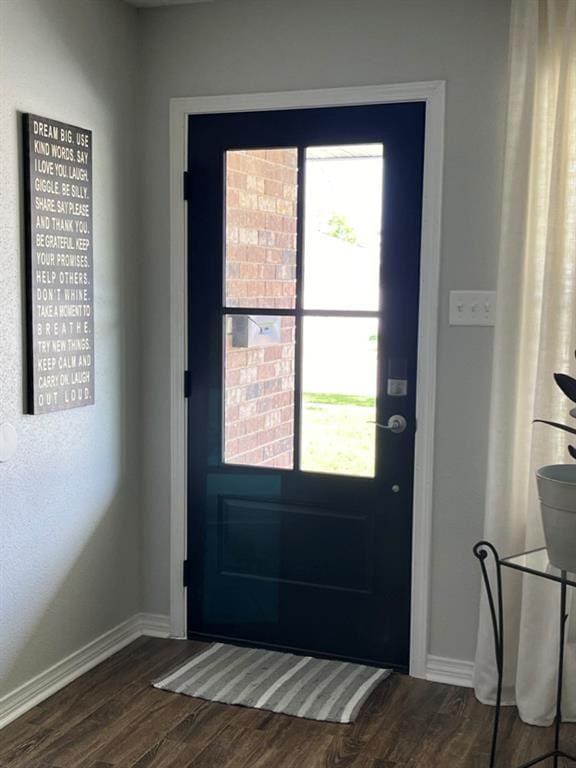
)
(154, 624)
(450, 671)
(32, 692)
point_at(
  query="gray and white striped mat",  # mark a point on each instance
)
(279, 682)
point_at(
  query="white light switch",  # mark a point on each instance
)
(472, 307)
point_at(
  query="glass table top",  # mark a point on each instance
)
(536, 561)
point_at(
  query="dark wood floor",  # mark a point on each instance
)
(113, 717)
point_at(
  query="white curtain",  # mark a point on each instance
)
(535, 336)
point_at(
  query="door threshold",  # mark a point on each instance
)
(208, 637)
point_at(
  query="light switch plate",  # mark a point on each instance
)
(472, 307)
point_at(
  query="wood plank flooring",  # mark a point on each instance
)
(112, 718)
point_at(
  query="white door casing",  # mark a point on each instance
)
(432, 93)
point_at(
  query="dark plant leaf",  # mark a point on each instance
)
(572, 451)
(567, 384)
(555, 424)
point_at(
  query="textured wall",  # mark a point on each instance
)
(68, 504)
(266, 45)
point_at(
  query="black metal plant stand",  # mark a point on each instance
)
(534, 562)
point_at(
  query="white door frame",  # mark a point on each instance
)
(432, 93)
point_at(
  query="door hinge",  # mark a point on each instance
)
(186, 185)
(185, 578)
(187, 384)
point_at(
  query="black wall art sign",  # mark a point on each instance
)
(59, 268)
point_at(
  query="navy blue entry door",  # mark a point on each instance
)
(303, 276)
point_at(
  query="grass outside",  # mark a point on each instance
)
(336, 434)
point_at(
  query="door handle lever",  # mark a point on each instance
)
(396, 424)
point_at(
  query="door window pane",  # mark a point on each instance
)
(343, 219)
(259, 391)
(260, 258)
(339, 373)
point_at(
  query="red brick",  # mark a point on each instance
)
(248, 375)
(255, 183)
(272, 419)
(285, 207)
(234, 252)
(235, 180)
(266, 371)
(232, 378)
(254, 163)
(232, 199)
(255, 424)
(271, 385)
(236, 288)
(265, 404)
(230, 449)
(249, 409)
(234, 396)
(266, 203)
(289, 224)
(255, 355)
(288, 256)
(248, 442)
(286, 413)
(249, 236)
(231, 234)
(232, 161)
(282, 156)
(233, 217)
(273, 353)
(284, 240)
(273, 188)
(252, 457)
(255, 288)
(253, 254)
(236, 429)
(285, 429)
(274, 256)
(273, 222)
(236, 358)
(256, 219)
(285, 272)
(267, 271)
(232, 269)
(248, 270)
(268, 239)
(287, 395)
(277, 447)
(232, 413)
(248, 200)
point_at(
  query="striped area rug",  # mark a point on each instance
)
(279, 682)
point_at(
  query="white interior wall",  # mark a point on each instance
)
(229, 47)
(69, 549)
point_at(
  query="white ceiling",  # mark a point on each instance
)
(152, 3)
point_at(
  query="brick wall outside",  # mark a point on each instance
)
(261, 192)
